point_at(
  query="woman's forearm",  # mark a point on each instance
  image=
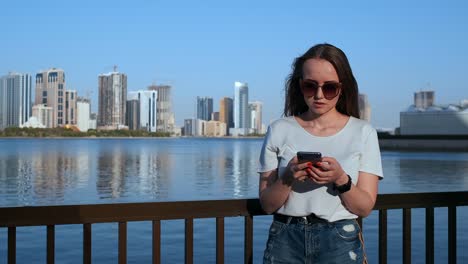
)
(274, 196)
(358, 201)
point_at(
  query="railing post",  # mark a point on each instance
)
(50, 244)
(189, 241)
(122, 242)
(248, 239)
(452, 234)
(219, 240)
(87, 243)
(430, 235)
(156, 241)
(11, 245)
(407, 235)
(383, 236)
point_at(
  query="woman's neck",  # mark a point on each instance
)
(331, 118)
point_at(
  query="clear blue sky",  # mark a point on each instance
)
(202, 47)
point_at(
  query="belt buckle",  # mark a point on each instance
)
(306, 221)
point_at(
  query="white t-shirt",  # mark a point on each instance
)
(355, 147)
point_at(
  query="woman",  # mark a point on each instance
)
(315, 205)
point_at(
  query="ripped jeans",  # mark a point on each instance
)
(316, 242)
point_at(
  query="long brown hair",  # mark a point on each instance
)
(347, 103)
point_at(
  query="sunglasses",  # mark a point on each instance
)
(329, 89)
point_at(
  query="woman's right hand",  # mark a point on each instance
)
(296, 171)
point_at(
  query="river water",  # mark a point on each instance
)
(90, 171)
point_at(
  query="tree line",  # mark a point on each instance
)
(68, 132)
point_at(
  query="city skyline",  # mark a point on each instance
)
(200, 49)
(423, 99)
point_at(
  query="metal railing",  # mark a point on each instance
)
(86, 215)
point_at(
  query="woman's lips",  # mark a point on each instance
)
(319, 104)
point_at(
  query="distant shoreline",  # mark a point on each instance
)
(424, 142)
(450, 143)
(106, 137)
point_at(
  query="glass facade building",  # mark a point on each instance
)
(15, 100)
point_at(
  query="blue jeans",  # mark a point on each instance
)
(318, 242)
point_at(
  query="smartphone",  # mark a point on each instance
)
(306, 156)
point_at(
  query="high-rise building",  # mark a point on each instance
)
(44, 114)
(70, 107)
(199, 127)
(215, 116)
(241, 108)
(204, 108)
(112, 100)
(424, 99)
(50, 91)
(133, 114)
(255, 109)
(15, 100)
(93, 121)
(165, 120)
(364, 108)
(147, 108)
(226, 112)
(188, 127)
(83, 112)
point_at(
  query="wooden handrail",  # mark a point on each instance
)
(125, 212)
(50, 216)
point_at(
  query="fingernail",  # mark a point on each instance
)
(319, 163)
(309, 164)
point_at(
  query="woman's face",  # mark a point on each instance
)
(319, 72)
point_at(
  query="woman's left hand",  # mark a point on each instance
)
(327, 171)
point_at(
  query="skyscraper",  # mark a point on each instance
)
(226, 112)
(241, 108)
(204, 108)
(15, 99)
(83, 111)
(255, 109)
(70, 107)
(133, 114)
(165, 120)
(147, 109)
(189, 127)
(50, 91)
(364, 108)
(112, 100)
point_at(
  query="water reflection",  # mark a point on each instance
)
(78, 171)
(427, 175)
(128, 170)
(215, 169)
(110, 178)
(243, 162)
